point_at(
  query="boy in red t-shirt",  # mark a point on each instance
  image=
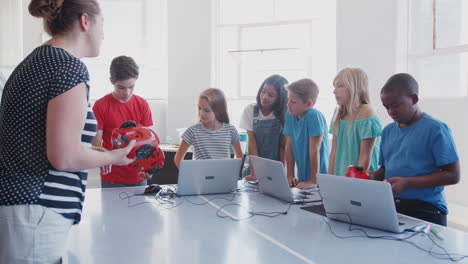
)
(114, 109)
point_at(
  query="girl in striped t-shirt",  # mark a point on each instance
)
(213, 136)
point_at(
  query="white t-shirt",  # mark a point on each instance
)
(247, 117)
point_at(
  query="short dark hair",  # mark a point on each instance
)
(403, 83)
(123, 68)
(60, 15)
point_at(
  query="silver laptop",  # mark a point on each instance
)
(272, 180)
(208, 176)
(362, 202)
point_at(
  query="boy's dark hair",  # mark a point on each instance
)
(123, 68)
(279, 107)
(306, 89)
(403, 83)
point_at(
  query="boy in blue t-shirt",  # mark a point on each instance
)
(417, 153)
(306, 133)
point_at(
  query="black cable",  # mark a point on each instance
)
(163, 197)
(445, 255)
(215, 198)
(128, 197)
(167, 196)
(251, 213)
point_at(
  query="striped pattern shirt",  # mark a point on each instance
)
(26, 175)
(63, 192)
(209, 144)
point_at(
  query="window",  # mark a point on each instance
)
(255, 39)
(135, 28)
(438, 47)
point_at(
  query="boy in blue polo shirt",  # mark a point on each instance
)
(417, 153)
(306, 133)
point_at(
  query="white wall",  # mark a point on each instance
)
(372, 34)
(32, 28)
(366, 38)
(189, 58)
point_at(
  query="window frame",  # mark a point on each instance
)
(436, 51)
(276, 20)
(413, 56)
(239, 28)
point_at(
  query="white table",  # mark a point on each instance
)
(113, 232)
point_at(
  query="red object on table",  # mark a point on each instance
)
(356, 172)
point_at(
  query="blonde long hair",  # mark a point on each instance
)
(355, 80)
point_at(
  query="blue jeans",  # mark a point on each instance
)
(106, 184)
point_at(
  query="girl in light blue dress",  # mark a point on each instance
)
(355, 127)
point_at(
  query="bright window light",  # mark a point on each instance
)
(255, 39)
(135, 28)
(438, 47)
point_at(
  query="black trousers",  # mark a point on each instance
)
(421, 210)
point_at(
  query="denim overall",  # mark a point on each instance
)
(267, 135)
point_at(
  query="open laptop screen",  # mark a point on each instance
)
(362, 202)
(209, 176)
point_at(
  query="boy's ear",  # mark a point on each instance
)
(110, 79)
(310, 103)
(415, 98)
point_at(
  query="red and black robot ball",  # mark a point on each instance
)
(149, 157)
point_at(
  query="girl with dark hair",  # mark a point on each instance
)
(213, 136)
(45, 143)
(264, 121)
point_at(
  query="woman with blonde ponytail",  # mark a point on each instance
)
(355, 127)
(46, 130)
